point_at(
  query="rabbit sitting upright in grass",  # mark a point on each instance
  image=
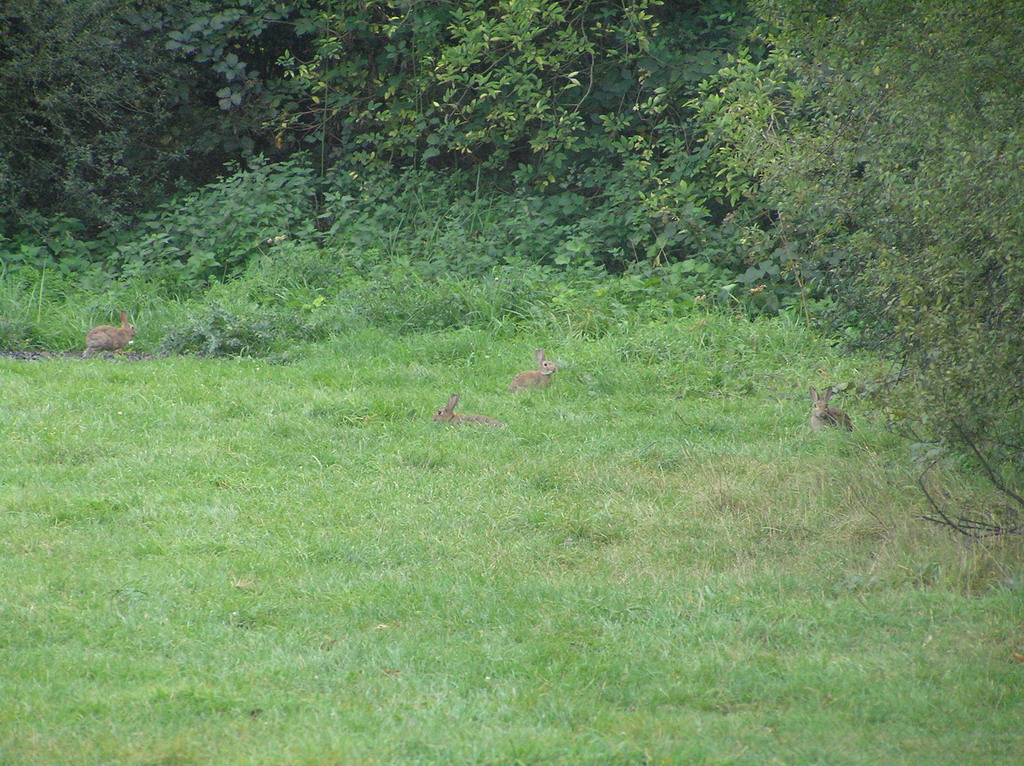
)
(822, 415)
(108, 338)
(539, 378)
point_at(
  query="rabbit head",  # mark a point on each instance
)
(823, 415)
(446, 413)
(544, 365)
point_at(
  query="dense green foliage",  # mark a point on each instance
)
(579, 111)
(583, 105)
(98, 122)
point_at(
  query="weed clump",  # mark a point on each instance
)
(218, 331)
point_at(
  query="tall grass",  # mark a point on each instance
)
(302, 294)
(231, 561)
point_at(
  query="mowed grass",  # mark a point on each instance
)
(656, 561)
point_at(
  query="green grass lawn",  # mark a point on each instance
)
(656, 561)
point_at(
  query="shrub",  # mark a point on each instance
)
(218, 331)
(214, 232)
(922, 218)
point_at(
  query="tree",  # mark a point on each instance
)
(98, 121)
(891, 135)
(578, 107)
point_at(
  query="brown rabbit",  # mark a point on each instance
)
(447, 415)
(539, 378)
(822, 415)
(107, 338)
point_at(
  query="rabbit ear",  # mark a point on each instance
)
(828, 393)
(124, 316)
(539, 353)
(452, 402)
(814, 393)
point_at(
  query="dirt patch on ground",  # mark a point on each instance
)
(33, 356)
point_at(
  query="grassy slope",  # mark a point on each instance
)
(235, 562)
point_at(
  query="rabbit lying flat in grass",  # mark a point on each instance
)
(447, 415)
(539, 378)
(823, 416)
(107, 338)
